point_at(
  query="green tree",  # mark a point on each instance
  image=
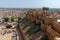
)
(45, 8)
(6, 19)
(12, 19)
(19, 18)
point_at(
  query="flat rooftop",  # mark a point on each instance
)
(8, 33)
(6, 36)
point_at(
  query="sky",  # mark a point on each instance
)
(29, 3)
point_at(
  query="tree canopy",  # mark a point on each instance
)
(12, 19)
(6, 19)
(45, 8)
(19, 18)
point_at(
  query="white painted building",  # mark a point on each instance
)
(13, 13)
(1, 21)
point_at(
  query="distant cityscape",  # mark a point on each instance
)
(30, 23)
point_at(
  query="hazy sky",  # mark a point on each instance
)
(30, 3)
